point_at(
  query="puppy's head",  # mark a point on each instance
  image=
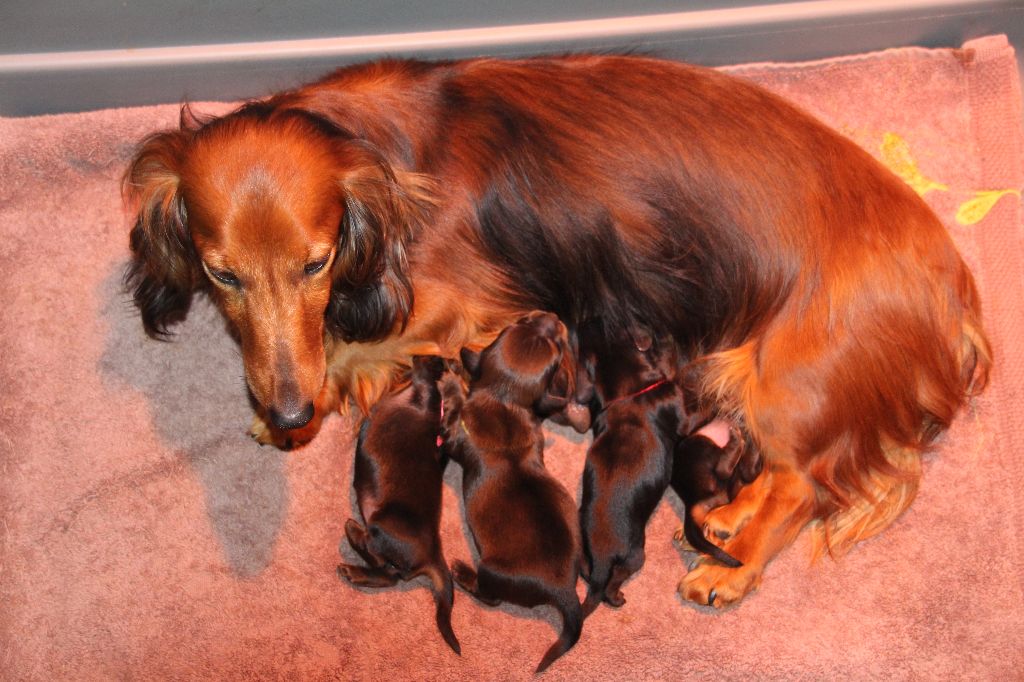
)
(291, 226)
(529, 364)
(617, 361)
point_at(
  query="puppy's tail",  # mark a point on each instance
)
(702, 544)
(444, 596)
(572, 626)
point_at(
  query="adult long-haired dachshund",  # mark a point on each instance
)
(398, 480)
(404, 207)
(523, 521)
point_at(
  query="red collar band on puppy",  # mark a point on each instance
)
(653, 386)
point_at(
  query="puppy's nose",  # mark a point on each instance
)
(291, 420)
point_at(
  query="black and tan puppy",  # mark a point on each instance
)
(398, 472)
(639, 414)
(523, 521)
(706, 475)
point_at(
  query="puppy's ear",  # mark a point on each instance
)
(560, 388)
(430, 367)
(453, 395)
(382, 205)
(470, 362)
(164, 269)
(549, 404)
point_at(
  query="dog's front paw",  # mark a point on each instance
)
(719, 586)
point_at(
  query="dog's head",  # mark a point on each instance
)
(529, 364)
(292, 226)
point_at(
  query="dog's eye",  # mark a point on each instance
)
(317, 266)
(226, 277)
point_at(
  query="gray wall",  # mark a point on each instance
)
(59, 56)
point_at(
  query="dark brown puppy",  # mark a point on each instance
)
(706, 476)
(639, 416)
(523, 522)
(398, 472)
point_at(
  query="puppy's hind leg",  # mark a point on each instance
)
(367, 577)
(357, 537)
(622, 572)
(466, 578)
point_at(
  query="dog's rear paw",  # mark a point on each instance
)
(719, 586)
(725, 522)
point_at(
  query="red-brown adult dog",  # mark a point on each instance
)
(400, 207)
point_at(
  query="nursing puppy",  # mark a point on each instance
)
(523, 522)
(398, 472)
(639, 414)
(706, 476)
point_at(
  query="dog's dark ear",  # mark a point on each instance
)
(470, 362)
(372, 291)
(164, 269)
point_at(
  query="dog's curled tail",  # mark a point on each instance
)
(700, 543)
(572, 625)
(444, 596)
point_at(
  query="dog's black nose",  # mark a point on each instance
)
(291, 420)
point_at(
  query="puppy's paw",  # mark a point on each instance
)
(464, 576)
(345, 572)
(719, 586)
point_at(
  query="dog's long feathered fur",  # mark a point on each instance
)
(826, 307)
